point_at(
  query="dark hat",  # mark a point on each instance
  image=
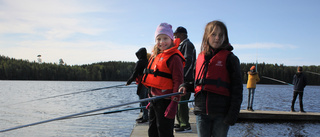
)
(181, 30)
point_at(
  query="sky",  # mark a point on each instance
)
(90, 31)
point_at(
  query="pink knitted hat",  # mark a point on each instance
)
(164, 28)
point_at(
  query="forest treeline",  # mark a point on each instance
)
(18, 69)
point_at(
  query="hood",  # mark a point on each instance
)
(298, 74)
(142, 53)
(213, 52)
(228, 47)
(252, 73)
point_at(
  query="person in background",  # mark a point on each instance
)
(163, 75)
(137, 74)
(186, 47)
(218, 81)
(253, 78)
(299, 82)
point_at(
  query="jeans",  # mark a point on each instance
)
(250, 97)
(295, 94)
(211, 126)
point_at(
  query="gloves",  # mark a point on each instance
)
(171, 110)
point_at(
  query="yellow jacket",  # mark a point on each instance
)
(253, 78)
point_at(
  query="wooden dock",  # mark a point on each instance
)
(278, 116)
(141, 130)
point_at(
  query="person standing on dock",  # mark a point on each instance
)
(299, 82)
(218, 81)
(253, 78)
(186, 47)
(164, 75)
(137, 74)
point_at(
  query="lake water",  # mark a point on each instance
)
(19, 105)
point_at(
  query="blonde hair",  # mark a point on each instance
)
(157, 51)
(205, 46)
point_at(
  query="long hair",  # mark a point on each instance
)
(205, 46)
(157, 51)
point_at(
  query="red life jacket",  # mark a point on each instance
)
(158, 74)
(213, 76)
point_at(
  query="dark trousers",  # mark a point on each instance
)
(143, 93)
(159, 126)
(295, 94)
(183, 111)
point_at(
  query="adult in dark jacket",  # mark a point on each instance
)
(218, 81)
(187, 49)
(137, 74)
(299, 82)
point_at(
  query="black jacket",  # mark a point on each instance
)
(188, 51)
(219, 104)
(140, 65)
(299, 81)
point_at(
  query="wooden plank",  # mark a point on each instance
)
(141, 130)
(278, 115)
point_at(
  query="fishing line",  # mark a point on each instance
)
(67, 94)
(91, 111)
(313, 73)
(277, 80)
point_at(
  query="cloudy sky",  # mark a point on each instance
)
(89, 31)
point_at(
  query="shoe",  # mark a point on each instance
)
(176, 126)
(142, 121)
(250, 109)
(139, 119)
(302, 111)
(292, 110)
(183, 129)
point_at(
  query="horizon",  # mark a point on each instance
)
(135, 62)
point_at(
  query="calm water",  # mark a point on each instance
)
(267, 97)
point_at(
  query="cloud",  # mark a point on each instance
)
(57, 19)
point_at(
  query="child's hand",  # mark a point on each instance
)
(183, 90)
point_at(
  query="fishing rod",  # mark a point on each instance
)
(108, 112)
(313, 73)
(67, 94)
(277, 80)
(122, 110)
(91, 111)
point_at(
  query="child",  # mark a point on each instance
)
(218, 83)
(253, 78)
(163, 75)
(137, 74)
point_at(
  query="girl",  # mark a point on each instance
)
(218, 83)
(163, 75)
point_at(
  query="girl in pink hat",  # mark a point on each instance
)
(163, 75)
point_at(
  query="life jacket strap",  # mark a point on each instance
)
(157, 73)
(218, 82)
